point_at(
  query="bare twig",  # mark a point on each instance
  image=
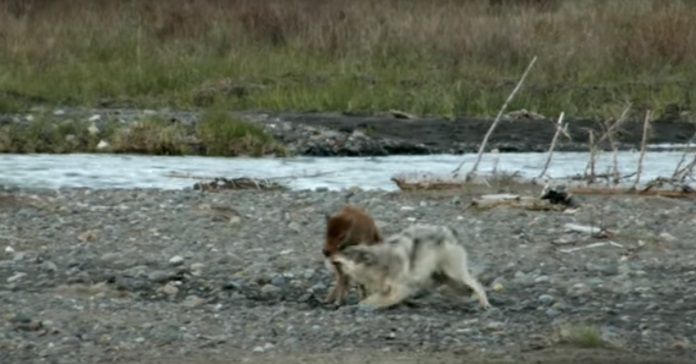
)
(643, 142)
(678, 170)
(612, 141)
(687, 170)
(495, 122)
(590, 168)
(613, 127)
(559, 129)
(615, 163)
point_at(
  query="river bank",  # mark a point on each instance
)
(306, 134)
(143, 276)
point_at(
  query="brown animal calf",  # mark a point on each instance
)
(348, 226)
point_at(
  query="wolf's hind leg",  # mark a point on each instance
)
(457, 272)
(388, 297)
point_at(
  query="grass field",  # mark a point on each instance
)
(440, 57)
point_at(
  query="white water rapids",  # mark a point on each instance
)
(128, 171)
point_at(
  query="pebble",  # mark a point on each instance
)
(197, 268)
(16, 277)
(270, 289)
(278, 281)
(170, 289)
(176, 260)
(159, 276)
(110, 257)
(193, 301)
(263, 348)
(495, 325)
(546, 299)
(49, 267)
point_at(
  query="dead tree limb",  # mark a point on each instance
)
(590, 168)
(559, 128)
(495, 122)
(643, 146)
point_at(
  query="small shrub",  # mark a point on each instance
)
(224, 135)
(583, 336)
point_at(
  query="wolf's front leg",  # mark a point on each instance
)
(338, 290)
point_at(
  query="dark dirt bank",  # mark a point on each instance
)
(147, 276)
(516, 132)
(339, 134)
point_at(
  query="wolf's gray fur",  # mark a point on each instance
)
(418, 257)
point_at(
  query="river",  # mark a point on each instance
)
(164, 172)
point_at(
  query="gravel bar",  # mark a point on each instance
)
(146, 276)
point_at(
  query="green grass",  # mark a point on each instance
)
(217, 133)
(224, 135)
(440, 57)
(43, 135)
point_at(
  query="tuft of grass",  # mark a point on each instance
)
(152, 135)
(431, 57)
(583, 336)
(224, 135)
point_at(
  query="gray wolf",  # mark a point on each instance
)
(347, 227)
(416, 258)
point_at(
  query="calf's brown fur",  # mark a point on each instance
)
(348, 226)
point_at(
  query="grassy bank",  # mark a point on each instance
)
(439, 57)
(215, 134)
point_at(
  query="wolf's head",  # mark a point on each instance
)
(355, 257)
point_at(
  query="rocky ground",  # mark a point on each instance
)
(343, 134)
(146, 276)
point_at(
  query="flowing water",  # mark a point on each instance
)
(129, 171)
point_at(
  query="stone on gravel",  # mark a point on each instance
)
(159, 276)
(176, 260)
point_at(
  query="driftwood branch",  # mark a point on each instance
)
(594, 231)
(559, 128)
(590, 246)
(495, 122)
(516, 201)
(643, 146)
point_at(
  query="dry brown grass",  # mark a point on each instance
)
(439, 56)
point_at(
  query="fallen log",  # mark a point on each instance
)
(632, 191)
(427, 185)
(594, 231)
(434, 185)
(508, 200)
